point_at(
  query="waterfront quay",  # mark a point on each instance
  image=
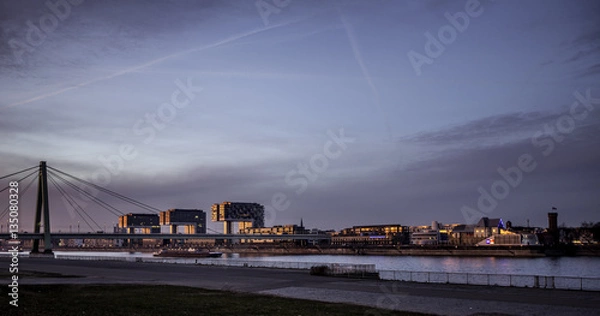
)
(442, 299)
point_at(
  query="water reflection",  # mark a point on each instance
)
(552, 266)
(564, 266)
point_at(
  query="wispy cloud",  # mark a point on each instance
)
(154, 62)
(499, 128)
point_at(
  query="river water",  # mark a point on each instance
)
(549, 266)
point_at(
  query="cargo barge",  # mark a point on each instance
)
(188, 253)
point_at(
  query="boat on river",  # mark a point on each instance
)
(188, 253)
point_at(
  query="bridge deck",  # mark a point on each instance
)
(30, 236)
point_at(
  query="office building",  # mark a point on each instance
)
(245, 214)
(139, 223)
(193, 220)
(372, 235)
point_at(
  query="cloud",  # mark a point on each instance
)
(497, 128)
(584, 47)
(478, 148)
(430, 189)
(150, 63)
(256, 121)
(591, 71)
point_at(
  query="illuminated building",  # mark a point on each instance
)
(246, 214)
(193, 221)
(275, 230)
(463, 235)
(372, 235)
(133, 223)
(486, 227)
(433, 235)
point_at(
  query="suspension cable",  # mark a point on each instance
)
(25, 177)
(96, 200)
(74, 204)
(20, 193)
(12, 174)
(112, 193)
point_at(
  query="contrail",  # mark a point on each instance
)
(363, 67)
(156, 61)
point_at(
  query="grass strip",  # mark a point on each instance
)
(149, 300)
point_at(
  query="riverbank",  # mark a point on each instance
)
(458, 251)
(391, 251)
(445, 299)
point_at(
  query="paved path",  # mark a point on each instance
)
(440, 299)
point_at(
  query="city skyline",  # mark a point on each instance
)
(340, 113)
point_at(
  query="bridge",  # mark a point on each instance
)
(63, 182)
(37, 236)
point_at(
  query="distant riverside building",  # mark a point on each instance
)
(433, 235)
(553, 227)
(552, 221)
(245, 214)
(275, 230)
(508, 238)
(291, 229)
(463, 235)
(486, 227)
(193, 220)
(372, 235)
(430, 237)
(138, 223)
(529, 239)
(493, 231)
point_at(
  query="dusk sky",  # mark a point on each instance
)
(338, 112)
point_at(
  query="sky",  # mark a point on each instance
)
(339, 113)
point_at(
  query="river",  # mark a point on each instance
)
(550, 266)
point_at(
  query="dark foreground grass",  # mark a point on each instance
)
(63, 300)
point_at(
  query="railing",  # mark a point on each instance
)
(98, 258)
(533, 281)
(8, 254)
(338, 268)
